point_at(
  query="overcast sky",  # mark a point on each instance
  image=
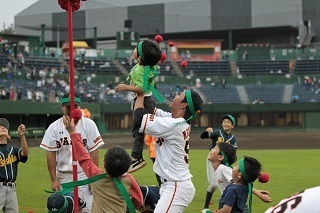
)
(10, 8)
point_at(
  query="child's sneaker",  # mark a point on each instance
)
(136, 165)
(206, 211)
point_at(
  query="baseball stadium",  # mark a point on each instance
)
(254, 64)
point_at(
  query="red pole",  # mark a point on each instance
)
(71, 79)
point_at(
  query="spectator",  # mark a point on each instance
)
(223, 82)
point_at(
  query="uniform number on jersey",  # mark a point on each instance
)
(291, 204)
(65, 142)
(160, 141)
(186, 133)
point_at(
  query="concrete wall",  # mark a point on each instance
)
(266, 13)
(107, 20)
(150, 17)
(230, 14)
(147, 19)
(310, 10)
(34, 22)
(60, 19)
(187, 16)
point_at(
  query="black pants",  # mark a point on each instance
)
(138, 138)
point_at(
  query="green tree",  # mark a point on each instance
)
(8, 30)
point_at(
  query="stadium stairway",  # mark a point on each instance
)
(287, 94)
(233, 67)
(243, 94)
(122, 69)
(176, 68)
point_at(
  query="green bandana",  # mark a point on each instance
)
(225, 159)
(190, 104)
(246, 178)
(147, 69)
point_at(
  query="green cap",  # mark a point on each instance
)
(230, 117)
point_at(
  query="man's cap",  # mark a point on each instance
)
(230, 117)
(4, 122)
(57, 203)
(65, 100)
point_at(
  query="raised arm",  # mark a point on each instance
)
(24, 145)
(207, 133)
(82, 156)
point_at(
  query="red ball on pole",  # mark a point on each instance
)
(163, 57)
(184, 64)
(76, 114)
(158, 38)
(170, 43)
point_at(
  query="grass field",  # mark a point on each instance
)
(290, 171)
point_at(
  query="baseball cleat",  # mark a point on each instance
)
(136, 165)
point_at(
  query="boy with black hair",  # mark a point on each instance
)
(106, 196)
(235, 195)
(221, 157)
(142, 80)
(221, 134)
(10, 157)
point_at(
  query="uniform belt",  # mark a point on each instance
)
(163, 180)
(12, 185)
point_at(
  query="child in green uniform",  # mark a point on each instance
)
(142, 80)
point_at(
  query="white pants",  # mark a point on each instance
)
(210, 177)
(84, 192)
(175, 197)
(8, 199)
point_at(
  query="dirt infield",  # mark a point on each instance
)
(246, 140)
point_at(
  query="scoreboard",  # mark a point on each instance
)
(127, 40)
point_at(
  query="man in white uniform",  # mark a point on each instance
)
(172, 131)
(302, 202)
(59, 149)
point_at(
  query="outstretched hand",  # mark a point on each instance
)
(265, 196)
(121, 87)
(69, 124)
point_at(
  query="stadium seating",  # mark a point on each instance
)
(307, 66)
(268, 93)
(306, 93)
(41, 62)
(263, 67)
(218, 94)
(221, 68)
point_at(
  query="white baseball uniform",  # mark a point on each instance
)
(302, 202)
(177, 190)
(222, 177)
(57, 139)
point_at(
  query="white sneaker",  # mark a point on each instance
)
(136, 165)
(206, 211)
